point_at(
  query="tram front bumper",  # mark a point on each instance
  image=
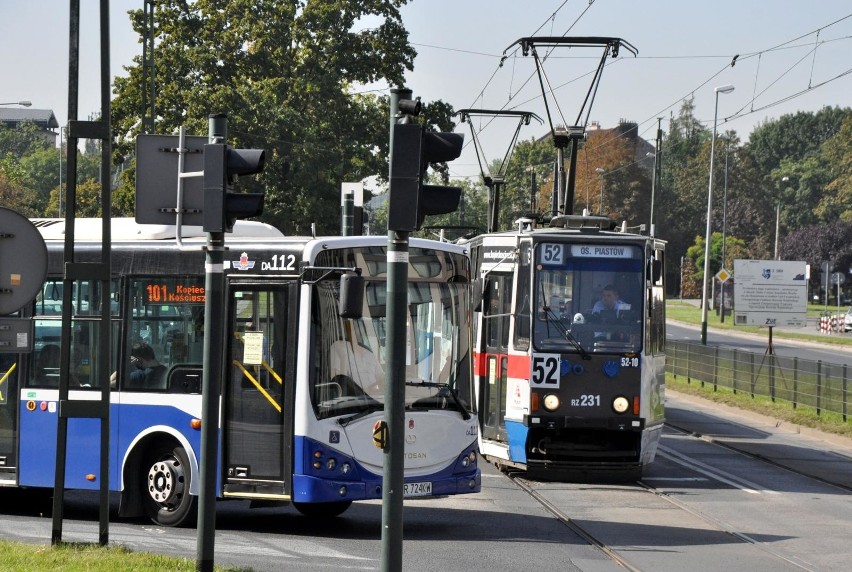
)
(565, 422)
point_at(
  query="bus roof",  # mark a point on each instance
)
(89, 229)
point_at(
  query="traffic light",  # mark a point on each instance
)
(413, 150)
(222, 165)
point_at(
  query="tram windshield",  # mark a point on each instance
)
(588, 298)
(351, 354)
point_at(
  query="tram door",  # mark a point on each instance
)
(495, 339)
(259, 391)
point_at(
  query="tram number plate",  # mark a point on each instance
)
(416, 489)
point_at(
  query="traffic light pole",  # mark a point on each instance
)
(394, 450)
(214, 291)
(393, 475)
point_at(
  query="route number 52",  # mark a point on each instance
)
(545, 371)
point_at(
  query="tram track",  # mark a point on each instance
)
(613, 553)
(538, 492)
(765, 458)
(569, 522)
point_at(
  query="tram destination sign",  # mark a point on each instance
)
(770, 293)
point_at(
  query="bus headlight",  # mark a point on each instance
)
(620, 404)
(551, 402)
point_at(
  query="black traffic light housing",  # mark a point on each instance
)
(222, 165)
(414, 148)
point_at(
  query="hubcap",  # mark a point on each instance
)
(165, 482)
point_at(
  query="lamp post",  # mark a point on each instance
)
(601, 171)
(706, 278)
(23, 103)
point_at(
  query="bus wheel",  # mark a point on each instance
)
(166, 476)
(322, 509)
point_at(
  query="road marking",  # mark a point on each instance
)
(727, 478)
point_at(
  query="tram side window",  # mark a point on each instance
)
(166, 330)
(523, 302)
(496, 307)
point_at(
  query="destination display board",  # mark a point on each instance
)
(770, 293)
(169, 292)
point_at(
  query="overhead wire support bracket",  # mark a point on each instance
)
(569, 132)
(494, 182)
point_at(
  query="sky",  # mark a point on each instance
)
(792, 56)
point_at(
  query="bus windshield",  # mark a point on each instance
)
(588, 298)
(350, 368)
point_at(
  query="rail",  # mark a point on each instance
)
(819, 385)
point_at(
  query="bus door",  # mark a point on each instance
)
(259, 390)
(8, 414)
(495, 339)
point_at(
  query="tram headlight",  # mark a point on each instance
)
(551, 402)
(331, 464)
(620, 404)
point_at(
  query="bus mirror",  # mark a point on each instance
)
(351, 296)
(476, 301)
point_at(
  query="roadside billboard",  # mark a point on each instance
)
(770, 293)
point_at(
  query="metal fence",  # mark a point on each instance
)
(819, 385)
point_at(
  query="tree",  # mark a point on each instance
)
(817, 244)
(16, 197)
(794, 136)
(836, 202)
(283, 71)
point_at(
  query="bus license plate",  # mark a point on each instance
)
(416, 489)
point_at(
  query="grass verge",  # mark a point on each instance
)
(81, 557)
(803, 415)
(691, 314)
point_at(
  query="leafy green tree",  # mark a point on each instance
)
(836, 202)
(16, 197)
(284, 72)
(794, 136)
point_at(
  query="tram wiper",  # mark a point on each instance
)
(445, 390)
(344, 421)
(566, 333)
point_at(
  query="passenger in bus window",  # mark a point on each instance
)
(47, 366)
(149, 373)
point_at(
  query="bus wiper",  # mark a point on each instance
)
(566, 333)
(445, 389)
(372, 408)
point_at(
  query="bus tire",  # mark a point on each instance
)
(322, 509)
(166, 478)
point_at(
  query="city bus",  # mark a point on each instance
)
(570, 347)
(303, 381)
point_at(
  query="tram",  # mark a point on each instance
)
(569, 347)
(303, 380)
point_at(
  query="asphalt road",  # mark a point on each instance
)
(730, 490)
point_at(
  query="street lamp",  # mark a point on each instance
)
(601, 171)
(705, 279)
(24, 103)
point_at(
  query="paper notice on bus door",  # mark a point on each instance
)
(253, 348)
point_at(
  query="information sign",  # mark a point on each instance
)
(770, 293)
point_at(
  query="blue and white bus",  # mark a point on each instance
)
(302, 388)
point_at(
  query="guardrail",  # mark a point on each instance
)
(817, 384)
